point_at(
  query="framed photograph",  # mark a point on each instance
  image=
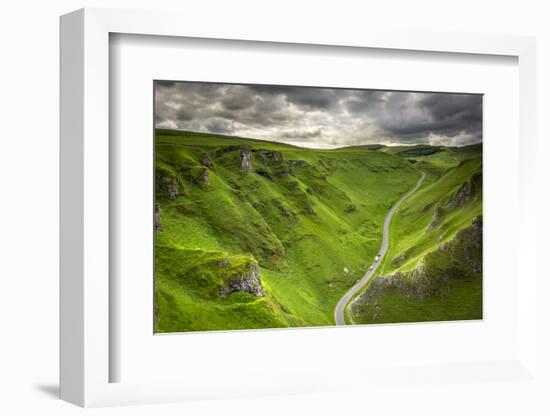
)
(273, 213)
(274, 206)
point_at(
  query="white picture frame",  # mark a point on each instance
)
(85, 182)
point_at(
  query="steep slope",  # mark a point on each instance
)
(255, 234)
(433, 218)
(446, 285)
(434, 214)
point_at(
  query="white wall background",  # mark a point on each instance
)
(29, 208)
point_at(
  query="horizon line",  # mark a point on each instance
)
(315, 148)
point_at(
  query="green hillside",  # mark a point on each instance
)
(258, 234)
(447, 285)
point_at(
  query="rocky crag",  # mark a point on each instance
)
(247, 280)
(246, 159)
(168, 185)
(203, 178)
(158, 218)
(466, 192)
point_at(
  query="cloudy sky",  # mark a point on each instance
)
(320, 117)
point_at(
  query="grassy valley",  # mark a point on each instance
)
(257, 234)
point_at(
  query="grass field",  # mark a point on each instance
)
(302, 223)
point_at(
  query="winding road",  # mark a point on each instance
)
(339, 311)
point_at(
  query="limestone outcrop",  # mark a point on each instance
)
(459, 257)
(168, 185)
(465, 192)
(246, 159)
(158, 218)
(248, 280)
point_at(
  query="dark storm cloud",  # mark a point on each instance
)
(219, 126)
(314, 99)
(446, 115)
(363, 101)
(237, 97)
(320, 117)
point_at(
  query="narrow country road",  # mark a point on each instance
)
(339, 311)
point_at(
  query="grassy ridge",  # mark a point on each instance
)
(427, 218)
(312, 221)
